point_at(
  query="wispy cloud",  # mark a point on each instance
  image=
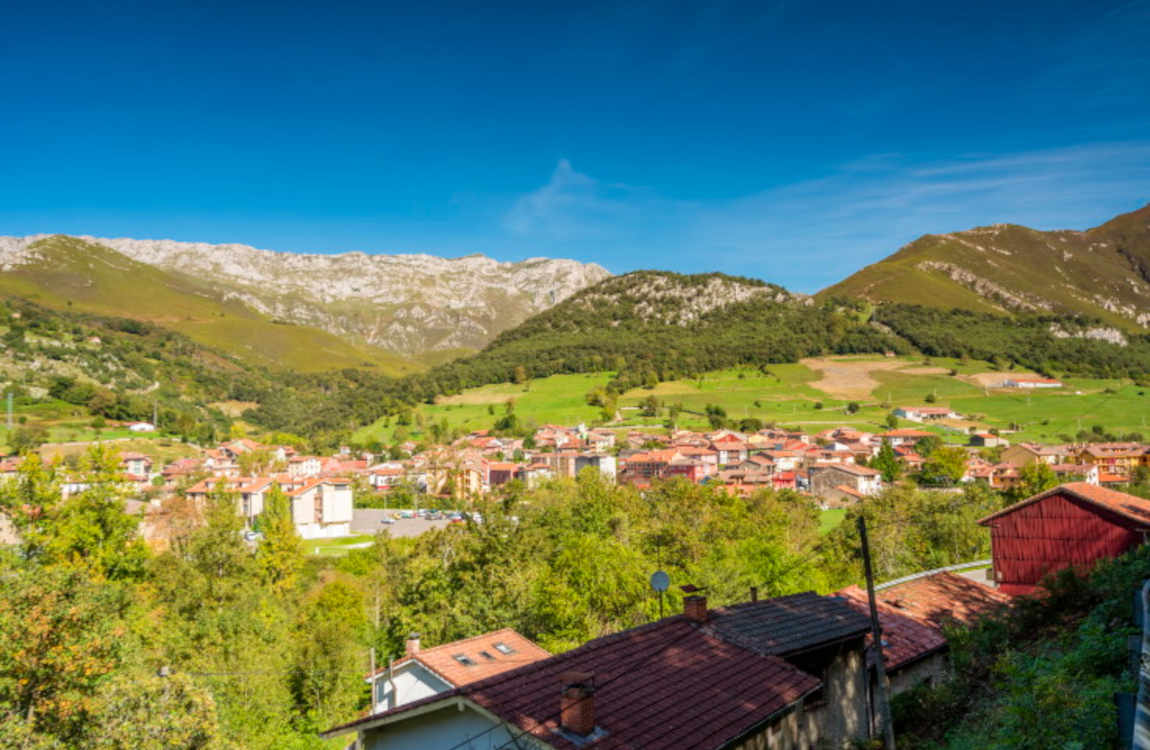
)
(571, 205)
(811, 233)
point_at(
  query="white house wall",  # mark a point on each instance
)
(336, 504)
(412, 682)
(445, 728)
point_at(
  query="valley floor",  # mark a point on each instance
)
(812, 396)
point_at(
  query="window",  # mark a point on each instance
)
(463, 659)
(503, 648)
(487, 656)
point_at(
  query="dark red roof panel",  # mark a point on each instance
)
(788, 624)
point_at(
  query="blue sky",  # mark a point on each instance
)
(795, 142)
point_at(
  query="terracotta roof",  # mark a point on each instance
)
(483, 651)
(934, 599)
(862, 471)
(907, 432)
(659, 686)
(912, 613)
(1130, 507)
(787, 624)
(905, 640)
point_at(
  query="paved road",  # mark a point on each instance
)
(367, 521)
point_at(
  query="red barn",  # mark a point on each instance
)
(1072, 525)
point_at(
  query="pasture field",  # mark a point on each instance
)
(806, 396)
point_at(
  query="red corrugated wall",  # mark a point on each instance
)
(1055, 533)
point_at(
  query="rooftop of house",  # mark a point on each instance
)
(787, 625)
(855, 469)
(912, 613)
(477, 658)
(1130, 507)
(905, 640)
(668, 685)
(907, 432)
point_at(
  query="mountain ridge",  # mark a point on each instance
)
(1102, 272)
(408, 304)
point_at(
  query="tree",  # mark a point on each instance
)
(519, 377)
(60, 634)
(331, 635)
(1033, 479)
(147, 710)
(945, 465)
(928, 445)
(280, 554)
(649, 407)
(28, 438)
(891, 421)
(887, 463)
(853, 407)
(91, 529)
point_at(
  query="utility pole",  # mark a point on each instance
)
(876, 645)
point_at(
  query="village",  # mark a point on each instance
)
(835, 468)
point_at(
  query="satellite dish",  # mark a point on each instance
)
(660, 581)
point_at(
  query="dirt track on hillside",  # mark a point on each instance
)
(851, 379)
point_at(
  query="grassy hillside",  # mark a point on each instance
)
(1103, 272)
(70, 274)
(801, 395)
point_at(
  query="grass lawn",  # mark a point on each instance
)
(558, 399)
(337, 547)
(830, 519)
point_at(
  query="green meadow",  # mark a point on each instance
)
(793, 395)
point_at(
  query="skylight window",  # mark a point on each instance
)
(487, 656)
(503, 648)
(463, 659)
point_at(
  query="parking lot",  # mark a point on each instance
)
(367, 521)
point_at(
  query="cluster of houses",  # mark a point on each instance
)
(833, 466)
(796, 671)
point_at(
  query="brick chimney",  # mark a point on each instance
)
(411, 646)
(695, 608)
(577, 702)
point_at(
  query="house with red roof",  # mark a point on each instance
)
(786, 672)
(321, 507)
(828, 481)
(425, 672)
(731, 449)
(912, 614)
(135, 464)
(1070, 526)
(904, 436)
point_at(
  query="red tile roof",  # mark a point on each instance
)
(1131, 507)
(912, 613)
(905, 640)
(787, 625)
(442, 661)
(667, 685)
(907, 432)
